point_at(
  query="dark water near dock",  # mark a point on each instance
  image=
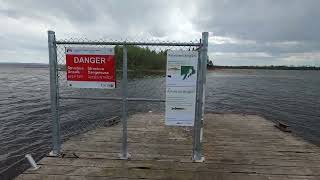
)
(25, 126)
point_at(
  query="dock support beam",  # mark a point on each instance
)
(124, 88)
(54, 94)
(201, 81)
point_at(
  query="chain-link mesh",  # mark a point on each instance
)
(80, 115)
(146, 79)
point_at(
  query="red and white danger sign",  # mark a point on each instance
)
(91, 68)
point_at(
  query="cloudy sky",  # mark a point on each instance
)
(246, 32)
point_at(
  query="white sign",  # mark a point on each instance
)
(181, 82)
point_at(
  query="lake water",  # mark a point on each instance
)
(25, 125)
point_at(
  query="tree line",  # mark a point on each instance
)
(144, 58)
(141, 58)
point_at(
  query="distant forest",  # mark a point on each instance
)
(146, 59)
(141, 58)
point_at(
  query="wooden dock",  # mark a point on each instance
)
(236, 147)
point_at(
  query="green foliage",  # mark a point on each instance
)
(141, 58)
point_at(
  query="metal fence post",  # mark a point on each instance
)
(198, 123)
(196, 127)
(204, 59)
(54, 90)
(124, 89)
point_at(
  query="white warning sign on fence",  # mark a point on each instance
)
(181, 84)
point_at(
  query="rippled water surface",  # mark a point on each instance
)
(25, 126)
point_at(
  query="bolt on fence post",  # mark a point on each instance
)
(124, 89)
(54, 90)
(198, 123)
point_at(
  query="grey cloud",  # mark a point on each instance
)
(262, 20)
(271, 24)
(123, 16)
(270, 48)
(74, 11)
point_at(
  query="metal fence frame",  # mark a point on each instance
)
(202, 48)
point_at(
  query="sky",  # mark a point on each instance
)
(246, 32)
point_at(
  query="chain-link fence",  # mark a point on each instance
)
(140, 77)
(75, 111)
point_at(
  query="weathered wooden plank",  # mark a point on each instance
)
(144, 169)
(197, 176)
(67, 177)
(235, 146)
(219, 156)
(186, 150)
(171, 164)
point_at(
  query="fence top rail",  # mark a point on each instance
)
(197, 44)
